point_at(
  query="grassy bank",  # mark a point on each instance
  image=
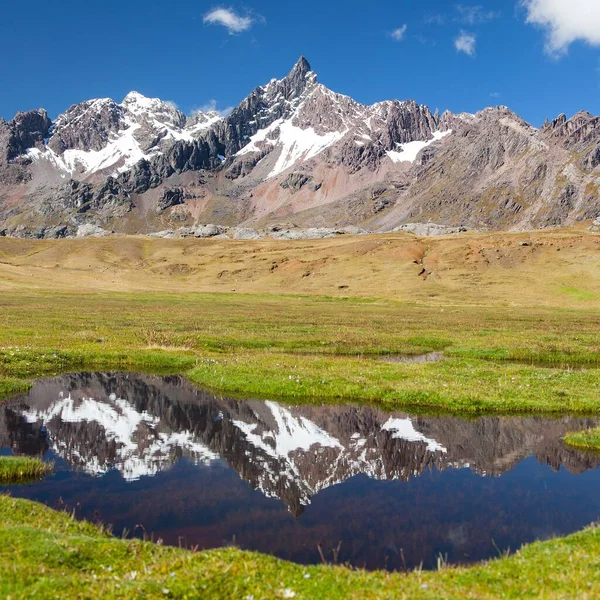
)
(44, 554)
(10, 386)
(18, 469)
(586, 440)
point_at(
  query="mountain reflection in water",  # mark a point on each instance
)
(203, 470)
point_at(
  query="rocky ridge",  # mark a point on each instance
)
(293, 150)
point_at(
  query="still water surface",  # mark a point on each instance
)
(145, 453)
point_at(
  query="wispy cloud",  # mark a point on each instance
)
(398, 34)
(434, 19)
(422, 39)
(495, 95)
(466, 14)
(228, 18)
(474, 15)
(565, 22)
(466, 42)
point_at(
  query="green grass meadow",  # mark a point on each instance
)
(295, 349)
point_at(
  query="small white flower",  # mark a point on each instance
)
(287, 593)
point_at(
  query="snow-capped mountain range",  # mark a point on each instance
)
(140, 425)
(292, 152)
(101, 136)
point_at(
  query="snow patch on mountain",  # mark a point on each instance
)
(123, 149)
(261, 137)
(409, 152)
(200, 122)
(298, 433)
(296, 144)
(301, 145)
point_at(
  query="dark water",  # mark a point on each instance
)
(198, 470)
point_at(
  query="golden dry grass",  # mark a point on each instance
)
(554, 268)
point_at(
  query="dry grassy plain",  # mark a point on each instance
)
(550, 268)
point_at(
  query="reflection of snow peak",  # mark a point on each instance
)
(403, 429)
(293, 433)
(296, 437)
(141, 449)
(285, 454)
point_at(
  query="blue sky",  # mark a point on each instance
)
(539, 57)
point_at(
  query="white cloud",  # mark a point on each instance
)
(466, 42)
(475, 15)
(398, 34)
(211, 106)
(565, 22)
(494, 94)
(227, 17)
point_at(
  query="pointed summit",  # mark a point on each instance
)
(299, 78)
(301, 68)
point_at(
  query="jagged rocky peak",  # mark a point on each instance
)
(405, 122)
(27, 130)
(200, 121)
(86, 126)
(31, 128)
(581, 128)
(305, 120)
(453, 121)
(503, 115)
(138, 128)
(101, 138)
(165, 113)
(265, 105)
(298, 79)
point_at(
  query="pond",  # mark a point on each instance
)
(157, 456)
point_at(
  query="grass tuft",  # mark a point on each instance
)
(20, 469)
(586, 440)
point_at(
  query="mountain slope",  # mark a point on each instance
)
(292, 152)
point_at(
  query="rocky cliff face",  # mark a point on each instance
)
(294, 150)
(26, 131)
(140, 425)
